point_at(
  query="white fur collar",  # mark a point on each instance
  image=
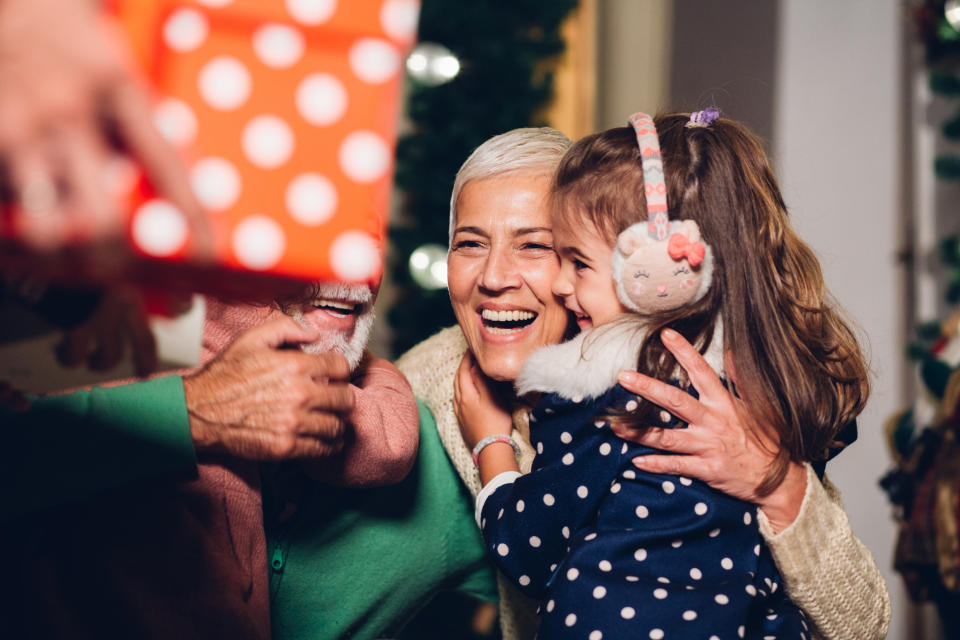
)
(588, 364)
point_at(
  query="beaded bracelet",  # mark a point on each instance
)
(497, 437)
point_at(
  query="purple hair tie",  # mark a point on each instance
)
(703, 118)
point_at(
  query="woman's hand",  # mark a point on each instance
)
(716, 447)
(481, 413)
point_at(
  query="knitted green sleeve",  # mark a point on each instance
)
(68, 447)
(827, 571)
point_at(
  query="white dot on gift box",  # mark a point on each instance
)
(159, 228)
(258, 242)
(399, 19)
(311, 199)
(374, 60)
(321, 99)
(278, 45)
(267, 141)
(364, 156)
(224, 83)
(354, 256)
(185, 30)
(311, 12)
(216, 183)
(175, 121)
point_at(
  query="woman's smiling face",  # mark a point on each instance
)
(500, 268)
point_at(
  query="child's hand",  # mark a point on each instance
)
(479, 409)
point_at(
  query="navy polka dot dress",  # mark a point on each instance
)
(612, 552)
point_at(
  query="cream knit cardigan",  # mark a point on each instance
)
(827, 571)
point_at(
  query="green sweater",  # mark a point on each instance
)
(68, 447)
(358, 563)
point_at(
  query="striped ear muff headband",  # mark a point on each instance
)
(659, 265)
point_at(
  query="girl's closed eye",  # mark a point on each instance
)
(580, 265)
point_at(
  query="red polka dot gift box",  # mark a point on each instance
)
(286, 114)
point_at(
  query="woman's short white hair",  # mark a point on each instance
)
(533, 150)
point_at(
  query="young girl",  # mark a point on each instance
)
(610, 551)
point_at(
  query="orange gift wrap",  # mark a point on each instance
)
(286, 115)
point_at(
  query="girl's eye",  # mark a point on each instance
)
(681, 270)
(641, 274)
(579, 265)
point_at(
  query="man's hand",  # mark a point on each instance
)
(260, 401)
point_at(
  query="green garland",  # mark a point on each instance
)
(504, 48)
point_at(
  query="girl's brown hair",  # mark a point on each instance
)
(799, 367)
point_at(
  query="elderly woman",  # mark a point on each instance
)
(500, 268)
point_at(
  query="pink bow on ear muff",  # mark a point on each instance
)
(659, 264)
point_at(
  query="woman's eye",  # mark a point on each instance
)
(681, 270)
(537, 246)
(466, 244)
(641, 274)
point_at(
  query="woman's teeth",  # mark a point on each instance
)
(508, 321)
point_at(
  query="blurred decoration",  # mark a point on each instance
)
(506, 53)
(924, 484)
(428, 266)
(432, 64)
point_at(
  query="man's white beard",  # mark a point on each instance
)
(350, 347)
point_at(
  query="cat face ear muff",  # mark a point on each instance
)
(659, 265)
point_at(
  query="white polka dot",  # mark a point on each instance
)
(642, 511)
(159, 228)
(627, 613)
(656, 634)
(567, 459)
(629, 474)
(605, 449)
(752, 590)
(615, 487)
(689, 614)
(321, 99)
(747, 518)
(726, 563)
(548, 499)
(550, 605)
(676, 544)
(185, 30)
(599, 592)
(721, 599)
(596, 634)
(605, 565)
(278, 45)
(599, 424)
(364, 156)
(267, 141)
(771, 616)
(520, 506)
(503, 549)
(216, 183)
(311, 199)
(660, 593)
(398, 18)
(640, 555)
(573, 574)
(565, 437)
(714, 638)
(224, 83)
(756, 550)
(500, 514)
(311, 12)
(700, 508)
(668, 487)
(570, 620)
(175, 121)
(632, 579)
(374, 60)
(258, 242)
(582, 491)
(714, 533)
(553, 567)
(354, 256)
(624, 448)
(631, 405)
(685, 481)
(523, 580)
(534, 541)
(663, 580)
(539, 447)
(565, 532)
(741, 630)
(696, 574)
(589, 537)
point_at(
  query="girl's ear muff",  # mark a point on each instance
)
(659, 265)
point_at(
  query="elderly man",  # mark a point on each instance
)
(188, 559)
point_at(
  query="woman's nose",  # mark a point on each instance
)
(500, 272)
